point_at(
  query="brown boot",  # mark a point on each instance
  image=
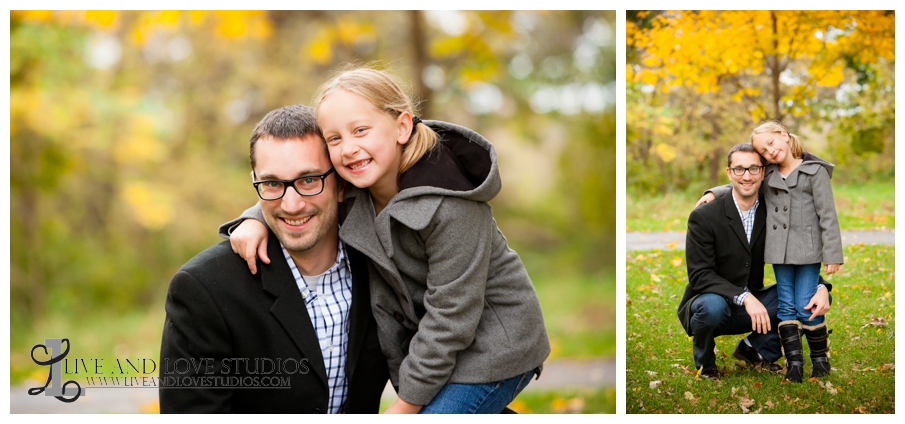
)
(790, 337)
(817, 341)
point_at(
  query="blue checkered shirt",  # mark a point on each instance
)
(328, 298)
(748, 224)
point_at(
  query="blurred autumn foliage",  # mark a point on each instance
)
(128, 131)
(698, 81)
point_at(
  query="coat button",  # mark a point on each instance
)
(776, 209)
(747, 264)
(774, 226)
(785, 208)
(398, 316)
(775, 192)
(783, 226)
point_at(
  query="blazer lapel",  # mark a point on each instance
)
(289, 308)
(735, 221)
(360, 313)
(760, 218)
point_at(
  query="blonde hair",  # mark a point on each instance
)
(774, 126)
(383, 91)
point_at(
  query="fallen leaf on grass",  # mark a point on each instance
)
(655, 384)
(691, 399)
(651, 373)
(887, 367)
(758, 384)
(876, 322)
(713, 403)
(860, 410)
(745, 402)
(768, 404)
(826, 386)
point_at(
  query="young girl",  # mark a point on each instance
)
(802, 232)
(459, 320)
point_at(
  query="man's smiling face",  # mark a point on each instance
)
(299, 222)
(745, 186)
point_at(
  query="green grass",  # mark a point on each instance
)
(568, 401)
(862, 355)
(859, 207)
(579, 307)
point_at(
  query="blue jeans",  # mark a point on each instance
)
(485, 398)
(713, 316)
(797, 284)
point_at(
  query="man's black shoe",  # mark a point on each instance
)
(713, 374)
(749, 354)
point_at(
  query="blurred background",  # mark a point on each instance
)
(699, 81)
(128, 148)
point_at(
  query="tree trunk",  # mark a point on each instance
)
(423, 92)
(775, 69)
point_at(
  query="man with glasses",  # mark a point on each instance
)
(725, 259)
(295, 336)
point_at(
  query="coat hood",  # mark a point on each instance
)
(463, 164)
(811, 163)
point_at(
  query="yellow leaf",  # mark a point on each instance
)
(666, 152)
(321, 48)
(151, 206)
(102, 18)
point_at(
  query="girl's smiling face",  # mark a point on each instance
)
(365, 143)
(773, 146)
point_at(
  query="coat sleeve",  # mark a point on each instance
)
(822, 190)
(719, 191)
(194, 332)
(700, 258)
(458, 249)
(253, 212)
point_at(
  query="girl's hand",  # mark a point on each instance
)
(403, 407)
(249, 240)
(707, 198)
(831, 268)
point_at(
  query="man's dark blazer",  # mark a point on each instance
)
(217, 309)
(718, 256)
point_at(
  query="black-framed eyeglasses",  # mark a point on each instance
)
(308, 185)
(754, 170)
